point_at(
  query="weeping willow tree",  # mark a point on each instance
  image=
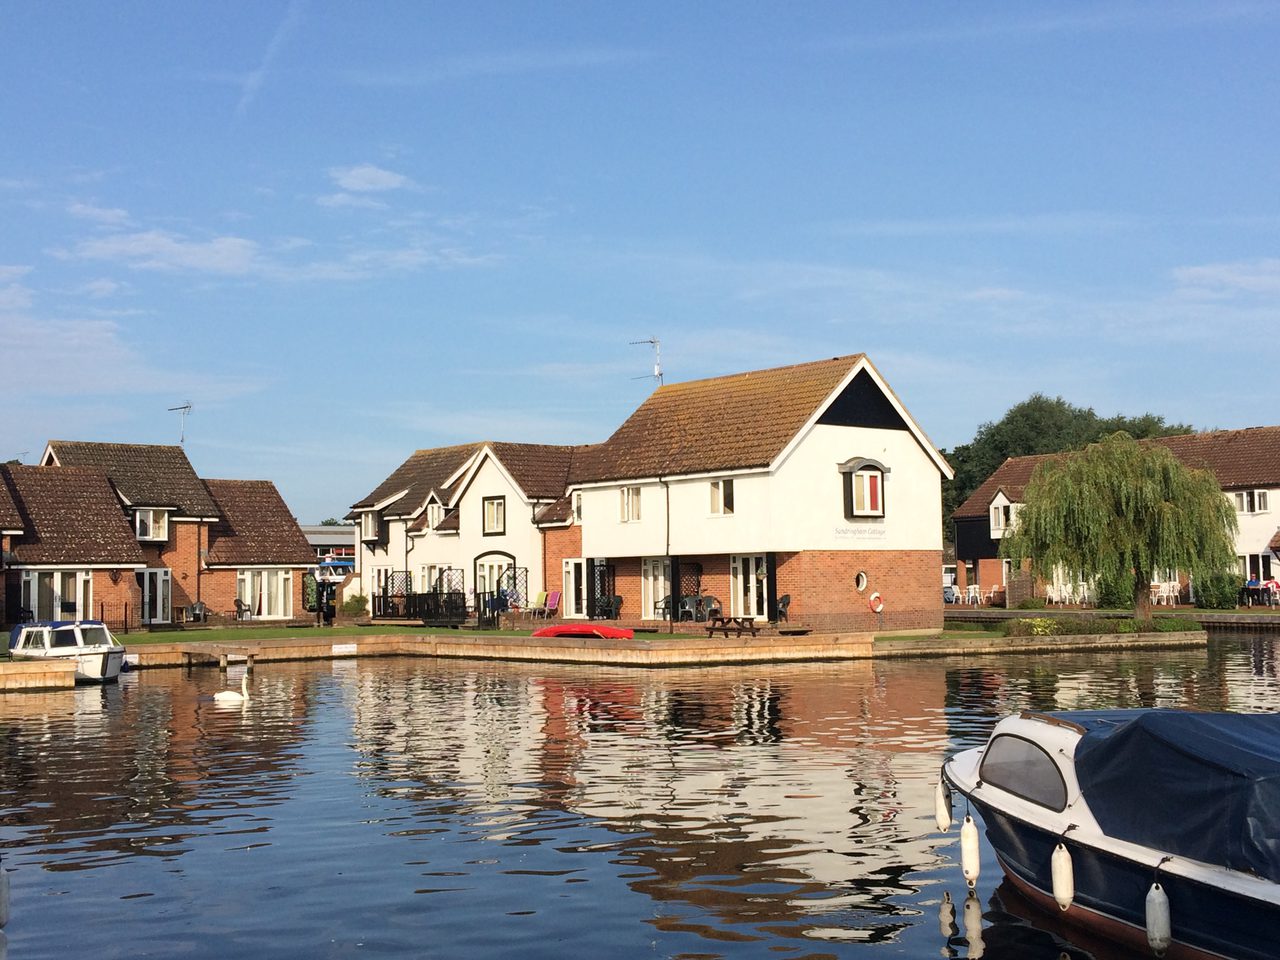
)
(1122, 511)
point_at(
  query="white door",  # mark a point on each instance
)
(574, 601)
(655, 586)
(749, 586)
(155, 595)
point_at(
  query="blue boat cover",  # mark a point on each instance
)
(1199, 785)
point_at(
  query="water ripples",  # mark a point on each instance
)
(402, 807)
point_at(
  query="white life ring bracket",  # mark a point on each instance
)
(875, 603)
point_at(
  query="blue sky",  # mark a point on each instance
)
(346, 231)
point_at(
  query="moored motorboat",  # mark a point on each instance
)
(99, 656)
(1158, 828)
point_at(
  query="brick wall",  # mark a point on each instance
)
(559, 544)
(824, 596)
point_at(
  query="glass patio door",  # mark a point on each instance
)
(574, 600)
(156, 595)
(749, 585)
(655, 586)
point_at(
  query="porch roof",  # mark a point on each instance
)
(69, 516)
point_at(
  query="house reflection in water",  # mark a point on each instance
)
(733, 800)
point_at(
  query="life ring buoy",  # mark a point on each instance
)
(875, 604)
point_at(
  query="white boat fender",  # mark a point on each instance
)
(969, 851)
(1159, 928)
(1064, 880)
(942, 805)
(947, 917)
(973, 925)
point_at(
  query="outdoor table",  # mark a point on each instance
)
(739, 625)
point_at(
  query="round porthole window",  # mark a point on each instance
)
(860, 581)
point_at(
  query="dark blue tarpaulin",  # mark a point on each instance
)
(1200, 785)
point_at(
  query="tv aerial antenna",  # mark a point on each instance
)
(657, 359)
(182, 410)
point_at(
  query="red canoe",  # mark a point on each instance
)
(590, 631)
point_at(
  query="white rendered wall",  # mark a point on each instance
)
(1257, 529)
(800, 507)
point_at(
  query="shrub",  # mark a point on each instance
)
(1031, 603)
(1115, 593)
(1217, 591)
(1175, 625)
(356, 605)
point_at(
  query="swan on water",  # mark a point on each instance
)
(231, 696)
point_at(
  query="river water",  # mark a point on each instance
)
(405, 808)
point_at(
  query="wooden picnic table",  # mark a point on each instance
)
(739, 625)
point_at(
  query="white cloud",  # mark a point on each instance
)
(350, 200)
(112, 216)
(102, 288)
(12, 272)
(160, 250)
(1221, 280)
(253, 82)
(366, 178)
(14, 296)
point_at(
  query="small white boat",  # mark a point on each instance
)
(98, 655)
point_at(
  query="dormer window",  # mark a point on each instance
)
(1002, 516)
(369, 525)
(435, 513)
(151, 524)
(863, 488)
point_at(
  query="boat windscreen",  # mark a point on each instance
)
(66, 637)
(98, 637)
(1200, 785)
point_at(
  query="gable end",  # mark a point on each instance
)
(862, 404)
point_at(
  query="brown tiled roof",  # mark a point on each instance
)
(560, 511)
(10, 518)
(449, 523)
(1012, 477)
(541, 470)
(424, 471)
(1274, 545)
(256, 527)
(147, 475)
(1238, 458)
(724, 423)
(70, 516)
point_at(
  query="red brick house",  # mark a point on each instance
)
(130, 533)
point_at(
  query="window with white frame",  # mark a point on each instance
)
(57, 594)
(863, 492)
(629, 504)
(151, 524)
(267, 593)
(495, 516)
(369, 525)
(1251, 501)
(1002, 515)
(722, 498)
(577, 506)
(435, 513)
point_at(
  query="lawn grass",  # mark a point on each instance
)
(234, 635)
